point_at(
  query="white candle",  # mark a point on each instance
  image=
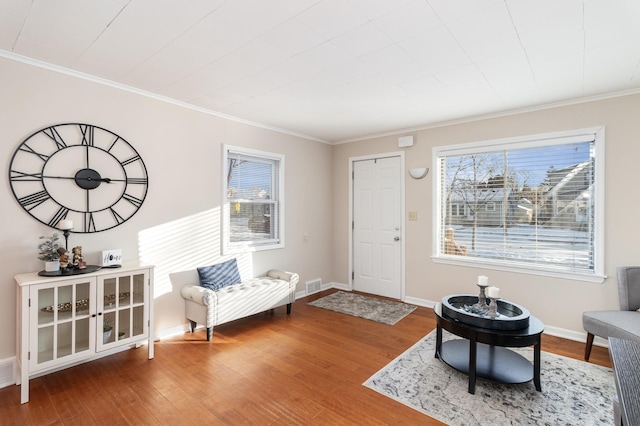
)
(65, 224)
(493, 292)
(482, 280)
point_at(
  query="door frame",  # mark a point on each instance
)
(402, 214)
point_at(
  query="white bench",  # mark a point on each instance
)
(215, 307)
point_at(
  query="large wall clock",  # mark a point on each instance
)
(79, 172)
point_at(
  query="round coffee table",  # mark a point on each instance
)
(483, 352)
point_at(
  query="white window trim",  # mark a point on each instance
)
(234, 248)
(522, 142)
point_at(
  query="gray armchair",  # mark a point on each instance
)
(624, 323)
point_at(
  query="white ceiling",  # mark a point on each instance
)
(339, 70)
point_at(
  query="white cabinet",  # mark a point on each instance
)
(65, 320)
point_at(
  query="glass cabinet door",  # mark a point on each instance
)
(124, 311)
(61, 321)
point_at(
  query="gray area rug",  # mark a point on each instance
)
(573, 392)
(371, 308)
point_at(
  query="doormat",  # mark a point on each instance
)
(573, 392)
(371, 308)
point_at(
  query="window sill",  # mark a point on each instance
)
(246, 248)
(468, 262)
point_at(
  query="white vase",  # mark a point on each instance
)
(106, 335)
(52, 266)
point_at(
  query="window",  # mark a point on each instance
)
(458, 209)
(533, 204)
(253, 201)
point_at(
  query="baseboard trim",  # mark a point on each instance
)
(340, 286)
(419, 302)
(8, 372)
(173, 331)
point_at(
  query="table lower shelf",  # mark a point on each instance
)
(492, 362)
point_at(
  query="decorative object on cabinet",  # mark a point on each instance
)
(78, 260)
(111, 258)
(61, 320)
(48, 252)
(78, 172)
(52, 266)
(48, 249)
(64, 259)
(66, 225)
(109, 300)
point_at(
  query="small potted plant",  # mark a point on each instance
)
(48, 252)
(107, 329)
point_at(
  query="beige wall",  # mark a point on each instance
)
(558, 302)
(177, 227)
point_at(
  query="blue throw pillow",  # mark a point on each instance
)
(217, 276)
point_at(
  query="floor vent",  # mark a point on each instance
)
(314, 286)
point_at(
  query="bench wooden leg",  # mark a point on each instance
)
(192, 326)
(587, 349)
(288, 308)
(209, 333)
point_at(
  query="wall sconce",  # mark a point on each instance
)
(418, 172)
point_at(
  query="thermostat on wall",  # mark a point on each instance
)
(111, 258)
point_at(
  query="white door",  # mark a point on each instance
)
(377, 221)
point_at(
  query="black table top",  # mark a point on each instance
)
(491, 336)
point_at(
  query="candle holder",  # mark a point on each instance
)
(493, 307)
(482, 299)
(65, 225)
(66, 233)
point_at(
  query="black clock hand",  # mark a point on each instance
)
(88, 179)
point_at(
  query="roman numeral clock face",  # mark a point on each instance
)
(79, 172)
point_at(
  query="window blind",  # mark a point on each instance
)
(527, 204)
(252, 194)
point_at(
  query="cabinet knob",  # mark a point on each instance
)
(93, 316)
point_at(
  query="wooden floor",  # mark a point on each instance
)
(269, 369)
